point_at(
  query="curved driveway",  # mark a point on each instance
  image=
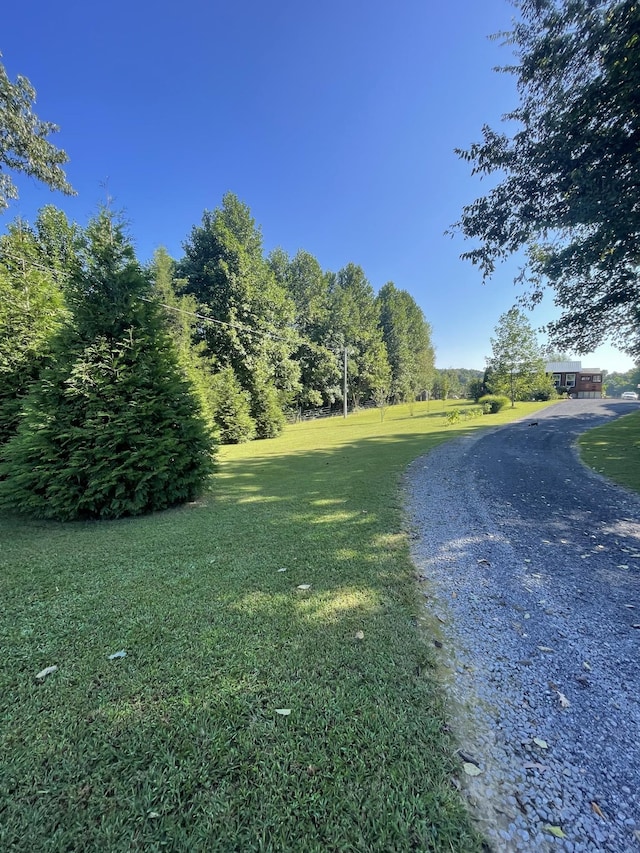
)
(532, 565)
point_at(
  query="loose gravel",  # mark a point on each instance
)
(531, 564)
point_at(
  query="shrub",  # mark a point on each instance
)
(493, 403)
(453, 416)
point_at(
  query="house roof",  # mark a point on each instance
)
(564, 367)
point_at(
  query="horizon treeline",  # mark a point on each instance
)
(258, 337)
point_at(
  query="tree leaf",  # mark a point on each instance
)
(45, 672)
(596, 808)
(554, 830)
(284, 712)
(120, 654)
(304, 586)
(541, 743)
(564, 702)
(359, 635)
(471, 769)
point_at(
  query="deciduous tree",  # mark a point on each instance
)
(568, 174)
(24, 146)
(516, 365)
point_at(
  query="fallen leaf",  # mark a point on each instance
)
(534, 765)
(636, 834)
(304, 586)
(282, 570)
(564, 702)
(586, 666)
(541, 743)
(284, 712)
(46, 671)
(554, 830)
(630, 606)
(596, 808)
(484, 562)
(623, 567)
(120, 654)
(154, 814)
(471, 769)
(359, 635)
(545, 649)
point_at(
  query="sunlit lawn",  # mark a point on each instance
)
(614, 450)
(179, 745)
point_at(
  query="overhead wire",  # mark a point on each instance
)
(238, 326)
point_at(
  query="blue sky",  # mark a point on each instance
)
(335, 122)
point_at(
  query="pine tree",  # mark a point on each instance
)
(112, 427)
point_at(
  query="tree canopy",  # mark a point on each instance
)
(516, 366)
(24, 146)
(568, 175)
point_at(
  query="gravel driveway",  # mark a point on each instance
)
(532, 565)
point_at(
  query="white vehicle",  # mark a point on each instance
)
(629, 395)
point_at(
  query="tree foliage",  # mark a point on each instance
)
(24, 146)
(34, 265)
(407, 337)
(569, 174)
(250, 315)
(112, 427)
(516, 366)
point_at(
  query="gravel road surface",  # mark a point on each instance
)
(531, 563)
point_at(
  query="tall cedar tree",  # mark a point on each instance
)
(250, 313)
(569, 175)
(112, 427)
(407, 336)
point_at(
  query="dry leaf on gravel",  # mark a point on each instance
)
(596, 808)
(564, 702)
(541, 743)
(471, 769)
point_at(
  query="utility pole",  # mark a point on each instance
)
(344, 386)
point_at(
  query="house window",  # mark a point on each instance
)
(556, 379)
(585, 378)
(597, 377)
(571, 380)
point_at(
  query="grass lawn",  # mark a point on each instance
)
(179, 745)
(614, 450)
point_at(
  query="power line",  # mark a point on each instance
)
(202, 317)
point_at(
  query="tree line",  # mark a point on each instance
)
(118, 379)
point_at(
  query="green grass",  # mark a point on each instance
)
(614, 450)
(178, 745)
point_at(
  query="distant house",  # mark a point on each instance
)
(578, 381)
